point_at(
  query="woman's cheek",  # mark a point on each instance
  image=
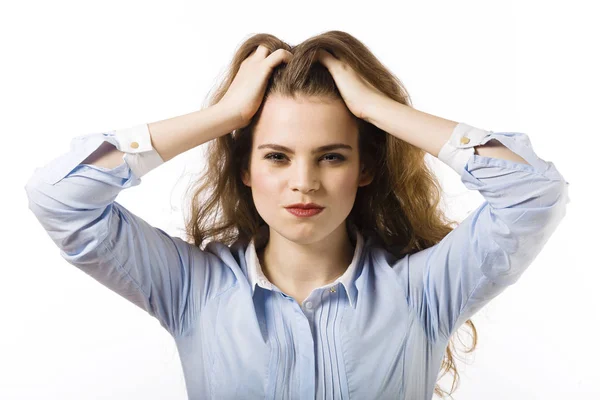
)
(265, 192)
(265, 182)
(346, 182)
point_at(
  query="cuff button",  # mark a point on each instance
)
(134, 145)
(464, 140)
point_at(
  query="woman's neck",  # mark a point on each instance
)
(298, 269)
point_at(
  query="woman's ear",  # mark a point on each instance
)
(366, 176)
(246, 177)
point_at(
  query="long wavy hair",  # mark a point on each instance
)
(400, 207)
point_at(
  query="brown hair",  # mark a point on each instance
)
(401, 205)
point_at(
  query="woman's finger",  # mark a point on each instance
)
(262, 50)
(327, 59)
(276, 57)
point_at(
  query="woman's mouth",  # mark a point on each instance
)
(304, 212)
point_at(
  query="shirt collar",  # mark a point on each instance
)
(257, 277)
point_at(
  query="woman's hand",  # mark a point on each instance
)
(358, 94)
(246, 92)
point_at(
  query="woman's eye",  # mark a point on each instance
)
(336, 157)
(271, 155)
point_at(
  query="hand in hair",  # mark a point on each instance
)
(246, 92)
(358, 94)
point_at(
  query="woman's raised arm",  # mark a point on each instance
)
(75, 203)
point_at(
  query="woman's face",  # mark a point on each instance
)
(303, 174)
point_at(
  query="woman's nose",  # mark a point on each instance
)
(304, 178)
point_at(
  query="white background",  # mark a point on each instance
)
(75, 67)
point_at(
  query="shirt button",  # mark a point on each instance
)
(464, 140)
(308, 305)
(332, 290)
(134, 145)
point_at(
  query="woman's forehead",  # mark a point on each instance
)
(304, 123)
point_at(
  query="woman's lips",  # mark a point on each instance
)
(304, 212)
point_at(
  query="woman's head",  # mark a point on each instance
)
(384, 186)
(398, 207)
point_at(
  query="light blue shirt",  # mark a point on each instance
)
(378, 332)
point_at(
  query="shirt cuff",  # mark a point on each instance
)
(136, 144)
(459, 148)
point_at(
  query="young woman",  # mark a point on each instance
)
(317, 263)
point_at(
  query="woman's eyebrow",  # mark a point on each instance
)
(328, 147)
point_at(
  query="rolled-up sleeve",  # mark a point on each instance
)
(491, 248)
(75, 204)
